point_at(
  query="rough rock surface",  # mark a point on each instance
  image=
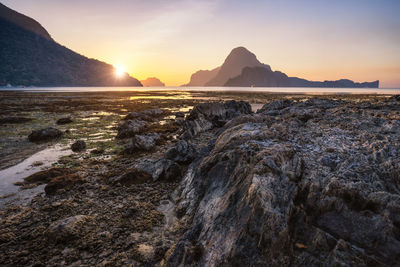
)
(317, 185)
(78, 146)
(183, 152)
(206, 116)
(143, 142)
(45, 134)
(130, 128)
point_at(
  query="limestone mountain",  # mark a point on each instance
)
(201, 77)
(242, 69)
(152, 81)
(263, 77)
(238, 59)
(29, 56)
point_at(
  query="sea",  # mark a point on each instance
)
(277, 90)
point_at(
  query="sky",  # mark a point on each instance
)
(171, 39)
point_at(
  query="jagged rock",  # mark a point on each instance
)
(183, 152)
(130, 128)
(12, 120)
(145, 115)
(45, 134)
(78, 146)
(143, 143)
(205, 116)
(65, 120)
(162, 169)
(63, 182)
(273, 192)
(69, 228)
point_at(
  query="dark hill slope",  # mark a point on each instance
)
(28, 58)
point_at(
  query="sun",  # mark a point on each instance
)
(119, 71)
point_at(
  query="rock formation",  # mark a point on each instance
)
(298, 184)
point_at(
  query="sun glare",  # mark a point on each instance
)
(119, 71)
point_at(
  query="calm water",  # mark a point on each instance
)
(296, 90)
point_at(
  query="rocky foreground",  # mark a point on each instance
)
(312, 182)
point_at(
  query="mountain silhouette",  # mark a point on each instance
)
(242, 68)
(238, 58)
(29, 56)
(152, 81)
(262, 77)
(201, 77)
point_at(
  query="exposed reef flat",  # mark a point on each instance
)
(206, 180)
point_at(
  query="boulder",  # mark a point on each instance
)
(45, 134)
(143, 143)
(130, 128)
(161, 169)
(78, 146)
(64, 120)
(182, 152)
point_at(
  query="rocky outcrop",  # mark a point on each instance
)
(265, 77)
(79, 145)
(309, 186)
(183, 152)
(45, 134)
(143, 142)
(205, 116)
(130, 128)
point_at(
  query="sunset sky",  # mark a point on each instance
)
(312, 39)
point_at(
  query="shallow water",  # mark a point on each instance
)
(27, 167)
(183, 90)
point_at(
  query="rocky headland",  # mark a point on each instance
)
(302, 181)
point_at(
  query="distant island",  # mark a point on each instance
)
(152, 81)
(242, 69)
(29, 56)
